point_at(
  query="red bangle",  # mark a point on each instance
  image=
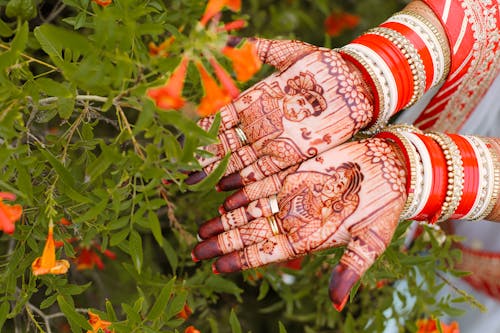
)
(368, 79)
(393, 137)
(419, 44)
(471, 176)
(391, 55)
(398, 64)
(432, 209)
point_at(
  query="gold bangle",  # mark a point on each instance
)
(444, 44)
(412, 57)
(412, 195)
(381, 121)
(496, 179)
(455, 167)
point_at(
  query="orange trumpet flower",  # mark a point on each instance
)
(430, 326)
(9, 214)
(215, 96)
(98, 325)
(224, 78)
(216, 6)
(169, 96)
(103, 3)
(245, 60)
(47, 263)
(191, 329)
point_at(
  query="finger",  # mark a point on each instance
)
(236, 239)
(363, 249)
(261, 189)
(262, 168)
(229, 118)
(238, 217)
(229, 141)
(281, 53)
(274, 249)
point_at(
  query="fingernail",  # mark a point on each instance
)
(217, 188)
(193, 257)
(195, 177)
(231, 182)
(214, 269)
(236, 200)
(166, 182)
(222, 210)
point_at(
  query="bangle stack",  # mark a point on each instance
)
(400, 60)
(450, 176)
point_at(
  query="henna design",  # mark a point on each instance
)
(296, 114)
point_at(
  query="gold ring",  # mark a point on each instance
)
(273, 203)
(241, 135)
(273, 224)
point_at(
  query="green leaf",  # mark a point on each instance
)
(161, 301)
(234, 322)
(135, 250)
(4, 310)
(24, 9)
(20, 40)
(171, 254)
(110, 311)
(93, 212)
(101, 164)
(154, 225)
(53, 88)
(5, 30)
(76, 320)
(263, 290)
(282, 327)
(176, 305)
(61, 170)
(119, 236)
(212, 179)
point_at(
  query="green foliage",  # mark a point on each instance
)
(79, 139)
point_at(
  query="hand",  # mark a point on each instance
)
(350, 195)
(314, 102)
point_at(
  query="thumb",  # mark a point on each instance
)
(278, 53)
(366, 245)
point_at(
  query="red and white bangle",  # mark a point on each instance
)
(496, 179)
(432, 208)
(487, 193)
(412, 57)
(455, 174)
(471, 176)
(435, 44)
(427, 174)
(386, 89)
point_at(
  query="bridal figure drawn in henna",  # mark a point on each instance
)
(350, 195)
(314, 102)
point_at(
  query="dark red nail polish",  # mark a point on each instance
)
(193, 257)
(214, 269)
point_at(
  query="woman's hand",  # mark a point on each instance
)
(314, 102)
(350, 195)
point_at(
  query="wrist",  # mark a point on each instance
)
(400, 60)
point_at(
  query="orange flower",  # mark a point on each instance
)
(160, 50)
(215, 6)
(245, 60)
(88, 258)
(65, 221)
(169, 96)
(185, 312)
(47, 263)
(191, 329)
(224, 78)
(430, 326)
(336, 23)
(9, 214)
(98, 325)
(234, 25)
(215, 96)
(103, 3)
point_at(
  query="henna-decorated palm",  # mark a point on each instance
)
(314, 102)
(350, 195)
